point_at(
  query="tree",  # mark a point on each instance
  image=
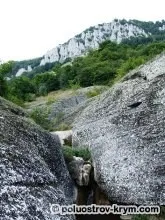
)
(21, 87)
(4, 69)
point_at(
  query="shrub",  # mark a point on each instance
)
(22, 88)
(42, 90)
(50, 100)
(41, 116)
(141, 217)
(69, 152)
(15, 100)
(63, 127)
(93, 93)
(73, 85)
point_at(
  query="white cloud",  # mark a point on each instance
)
(31, 27)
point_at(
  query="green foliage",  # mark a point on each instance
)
(69, 152)
(141, 217)
(99, 67)
(50, 100)
(130, 64)
(94, 92)
(4, 69)
(3, 86)
(73, 85)
(41, 116)
(46, 82)
(22, 88)
(111, 61)
(63, 127)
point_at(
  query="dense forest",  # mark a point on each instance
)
(103, 66)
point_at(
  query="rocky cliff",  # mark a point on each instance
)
(33, 171)
(79, 45)
(91, 38)
(124, 129)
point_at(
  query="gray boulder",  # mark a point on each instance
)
(65, 137)
(80, 171)
(33, 174)
(125, 130)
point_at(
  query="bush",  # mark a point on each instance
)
(50, 100)
(22, 88)
(42, 90)
(141, 217)
(63, 127)
(94, 92)
(15, 100)
(69, 152)
(41, 116)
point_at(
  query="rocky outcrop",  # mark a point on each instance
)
(23, 70)
(33, 171)
(124, 129)
(91, 38)
(64, 111)
(64, 136)
(80, 171)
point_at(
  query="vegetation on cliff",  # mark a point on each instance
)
(99, 67)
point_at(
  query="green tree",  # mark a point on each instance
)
(4, 69)
(21, 87)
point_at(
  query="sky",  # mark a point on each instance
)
(29, 28)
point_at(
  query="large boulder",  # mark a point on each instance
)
(125, 130)
(33, 174)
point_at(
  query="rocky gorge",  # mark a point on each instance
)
(123, 128)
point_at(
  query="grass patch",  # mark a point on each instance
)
(63, 127)
(50, 100)
(94, 92)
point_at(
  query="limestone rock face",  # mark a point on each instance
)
(91, 38)
(125, 130)
(22, 70)
(33, 174)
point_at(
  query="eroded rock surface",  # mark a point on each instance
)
(33, 174)
(64, 111)
(125, 131)
(64, 136)
(80, 171)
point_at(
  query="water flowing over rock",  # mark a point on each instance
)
(33, 172)
(124, 129)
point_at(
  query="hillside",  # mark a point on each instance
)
(115, 31)
(90, 126)
(104, 66)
